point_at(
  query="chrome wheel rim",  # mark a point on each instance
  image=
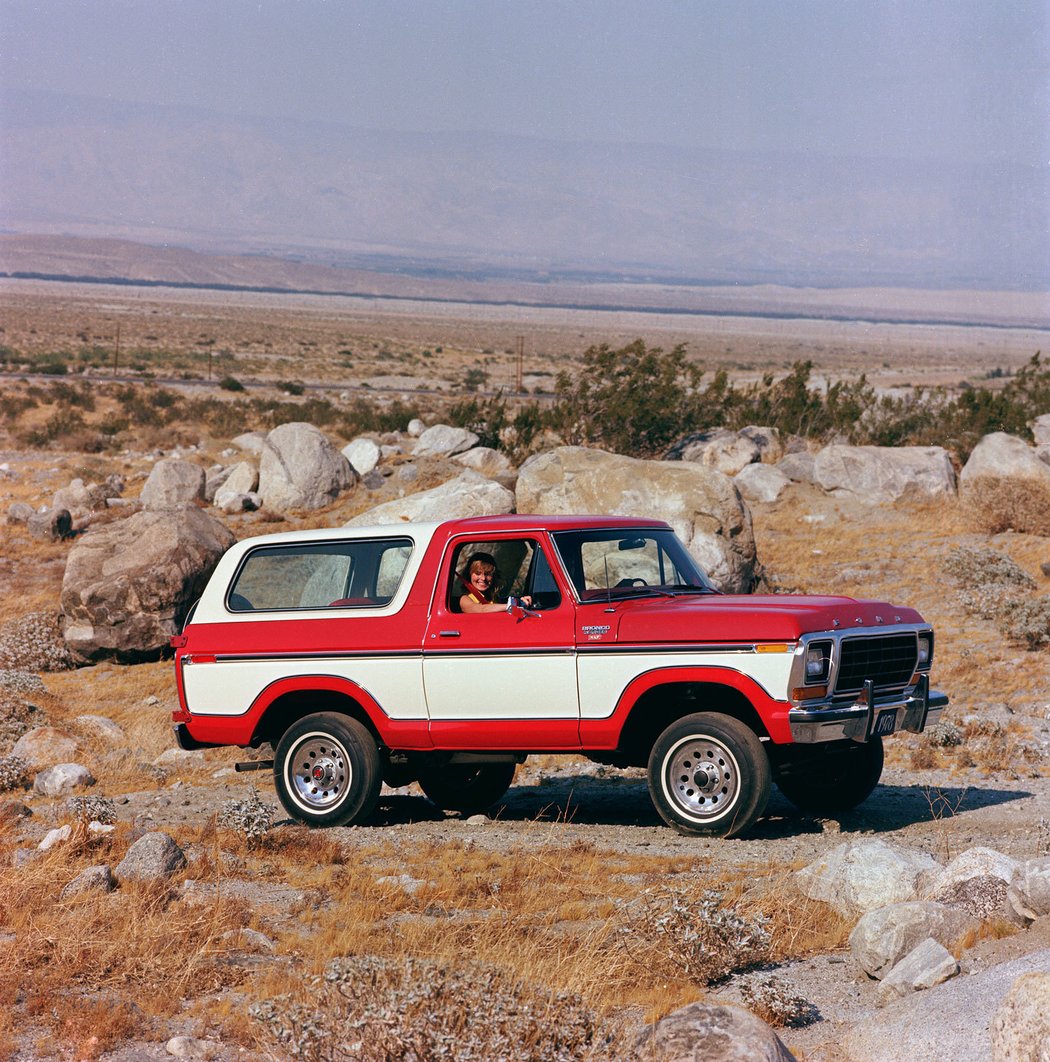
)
(701, 778)
(318, 772)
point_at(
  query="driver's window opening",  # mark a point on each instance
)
(522, 570)
(616, 562)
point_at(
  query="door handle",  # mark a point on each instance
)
(450, 634)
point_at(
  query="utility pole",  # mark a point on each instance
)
(520, 348)
(116, 351)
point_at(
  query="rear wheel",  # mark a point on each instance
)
(467, 788)
(327, 770)
(837, 778)
(708, 774)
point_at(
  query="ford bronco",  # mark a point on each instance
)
(350, 651)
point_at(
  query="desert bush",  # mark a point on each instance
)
(698, 936)
(14, 773)
(981, 566)
(12, 406)
(290, 387)
(943, 735)
(635, 399)
(250, 817)
(63, 422)
(231, 383)
(92, 809)
(1015, 504)
(1028, 621)
(384, 1010)
(771, 1001)
(34, 642)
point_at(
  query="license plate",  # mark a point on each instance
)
(886, 722)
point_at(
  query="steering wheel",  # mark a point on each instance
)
(630, 582)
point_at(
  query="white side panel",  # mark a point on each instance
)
(230, 687)
(502, 687)
(604, 676)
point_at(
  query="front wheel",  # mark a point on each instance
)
(467, 789)
(327, 770)
(708, 774)
(836, 778)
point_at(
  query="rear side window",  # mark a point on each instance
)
(362, 573)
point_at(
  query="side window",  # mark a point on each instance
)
(521, 569)
(362, 574)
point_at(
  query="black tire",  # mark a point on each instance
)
(837, 778)
(467, 788)
(327, 770)
(708, 774)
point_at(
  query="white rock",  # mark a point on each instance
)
(55, 836)
(881, 474)
(762, 483)
(883, 937)
(486, 461)
(703, 506)
(467, 495)
(173, 484)
(415, 428)
(100, 726)
(1021, 1027)
(709, 1031)
(191, 1047)
(301, 469)
(363, 454)
(62, 778)
(867, 875)
(926, 965)
(442, 440)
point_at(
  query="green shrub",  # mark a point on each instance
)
(231, 383)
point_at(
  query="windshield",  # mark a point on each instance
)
(620, 563)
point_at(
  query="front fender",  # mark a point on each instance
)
(605, 733)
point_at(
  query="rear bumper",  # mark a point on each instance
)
(868, 716)
(187, 742)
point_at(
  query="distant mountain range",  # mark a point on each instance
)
(486, 206)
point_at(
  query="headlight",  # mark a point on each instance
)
(818, 660)
(925, 651)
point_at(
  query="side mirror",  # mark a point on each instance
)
(520, 611)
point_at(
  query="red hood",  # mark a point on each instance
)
(745, 618)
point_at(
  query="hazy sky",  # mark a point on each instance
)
(960, 79)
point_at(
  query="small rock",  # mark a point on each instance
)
(53, 525)
(882, 938)
(477, 820)
(405, 882)
(93, 879)
(44, 745)
(152, 857)
(101, 727)
(250, 940)
(12, 811)
(926, 965)
(62, 778)
(55, 836)
(191, 1047)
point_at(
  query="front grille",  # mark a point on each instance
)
(889, 661)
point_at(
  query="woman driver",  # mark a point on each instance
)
(480, 577)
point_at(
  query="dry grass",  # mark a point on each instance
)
(1010, 505)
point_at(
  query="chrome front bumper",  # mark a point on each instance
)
(868, 716)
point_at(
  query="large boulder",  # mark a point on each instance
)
(724, 451)
(173, 484)
(880, 474)
(469, 494)
(1021, 1027)
(1002, 456)
(703, 506)
(866, 875)
(301, 469)
(951, 1022)
(128, 585)
(1007, 484)
(711, 1031)
(44, 746)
